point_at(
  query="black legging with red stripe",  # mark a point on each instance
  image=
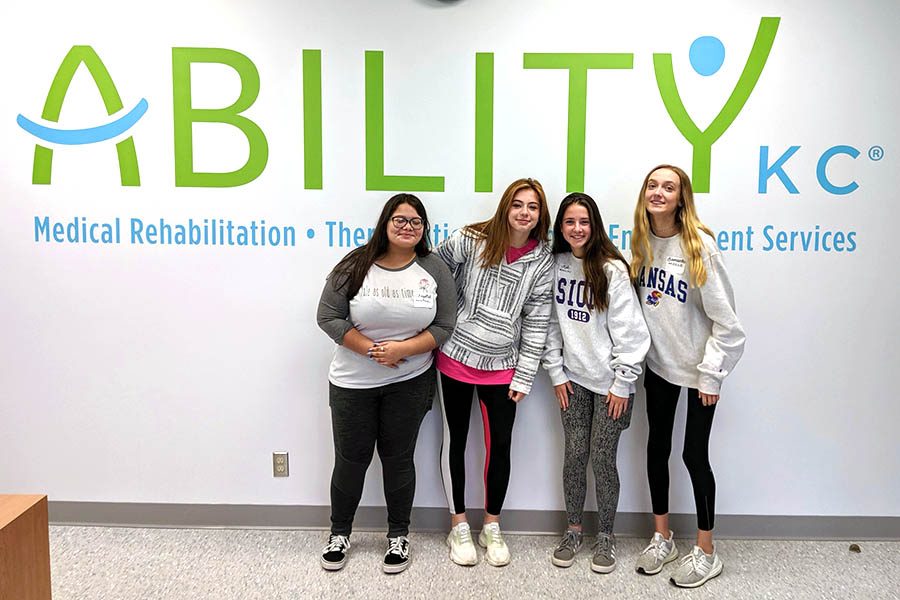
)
(498, 413)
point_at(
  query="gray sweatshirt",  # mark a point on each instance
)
(391, 304)
(503, 311)
(696, 337)
(601, 351)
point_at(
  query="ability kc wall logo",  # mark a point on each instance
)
(706, 56)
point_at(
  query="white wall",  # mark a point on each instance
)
(170, 373)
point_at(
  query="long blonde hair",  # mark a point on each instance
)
(495, 231)
(689, 225)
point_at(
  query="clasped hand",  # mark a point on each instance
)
(389, 354)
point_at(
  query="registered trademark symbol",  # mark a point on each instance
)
(876, 153)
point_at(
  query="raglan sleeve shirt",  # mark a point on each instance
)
(392, 304)
(333, 313)
(445, 317)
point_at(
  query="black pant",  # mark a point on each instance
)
(662, 400)
(498, 413)
(386, 417)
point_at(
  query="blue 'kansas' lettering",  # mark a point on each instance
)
(657, 279)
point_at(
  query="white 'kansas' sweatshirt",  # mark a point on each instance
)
(697, 338)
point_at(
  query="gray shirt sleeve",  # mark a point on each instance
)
(333, 313)
(445, 317)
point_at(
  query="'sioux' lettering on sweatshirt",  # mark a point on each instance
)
(599, 350)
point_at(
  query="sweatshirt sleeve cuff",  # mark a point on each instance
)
(517, 385)
(621, 388)
(557, 376)
(709, 385)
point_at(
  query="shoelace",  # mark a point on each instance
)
(570, 540)
(399, 546)
(337, 543)
(464, 533)
(696, 558)
(604, 544)
(654, 547)
(493, 533)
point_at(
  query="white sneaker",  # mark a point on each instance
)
(697, 568)
(657, 553)
(462, 549)
(497, 552)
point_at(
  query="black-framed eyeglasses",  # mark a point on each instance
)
(400, 222)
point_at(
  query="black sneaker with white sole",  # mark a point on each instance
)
(396, 559)
(334, 556)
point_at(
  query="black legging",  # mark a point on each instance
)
(662, 400)
(498, 414)
(387, 418)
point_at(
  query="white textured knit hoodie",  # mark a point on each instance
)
(599, 350)
(503, 310)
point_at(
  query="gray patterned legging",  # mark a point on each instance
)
(590, 432)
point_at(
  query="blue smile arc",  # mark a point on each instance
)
(91, 135)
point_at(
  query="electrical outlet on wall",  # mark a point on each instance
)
(280, 464)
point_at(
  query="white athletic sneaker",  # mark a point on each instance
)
(657, 553)
(497, 552)
(696, 568)
(462, 549)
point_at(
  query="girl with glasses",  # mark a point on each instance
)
(386, 305)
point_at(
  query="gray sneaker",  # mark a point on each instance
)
(604, 560)
(657, 553)
(568, 547)
(696, 568)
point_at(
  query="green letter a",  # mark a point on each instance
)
(43, 157)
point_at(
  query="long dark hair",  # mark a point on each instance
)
(353, 267)
(598, 250)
